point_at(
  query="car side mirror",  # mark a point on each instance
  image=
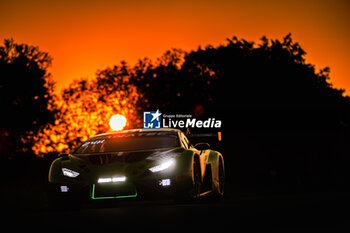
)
(202, 146)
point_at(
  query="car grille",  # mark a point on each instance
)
(113, 190)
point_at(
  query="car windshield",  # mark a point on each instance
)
(129, 142)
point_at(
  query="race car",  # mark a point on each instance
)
(138, 163)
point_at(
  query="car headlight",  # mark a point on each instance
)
(69, 173)
(163, 166)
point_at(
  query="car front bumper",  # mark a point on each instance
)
(160, 187)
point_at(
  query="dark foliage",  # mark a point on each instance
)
(257, 84)
(284, 126)
(26, 93)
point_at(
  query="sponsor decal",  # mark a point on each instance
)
(156, 120)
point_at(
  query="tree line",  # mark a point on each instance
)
(264, 85)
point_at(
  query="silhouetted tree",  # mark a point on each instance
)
(247, 79)
(161, 84)
(266, 85)
(86, 107)
(26, 93)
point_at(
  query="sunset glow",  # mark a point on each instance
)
(83, 36)
(117, 122)
(87, 37)
(85, 112)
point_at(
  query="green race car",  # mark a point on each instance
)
(138, 163)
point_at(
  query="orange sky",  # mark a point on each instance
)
(84, 35)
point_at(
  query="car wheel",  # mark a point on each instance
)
(221, 178)
(196, 179)
(219, 192)
(193, 192)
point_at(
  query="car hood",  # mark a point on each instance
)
(129, 156)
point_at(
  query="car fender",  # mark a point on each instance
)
(185, 161)
(55, 172)
(214, 157)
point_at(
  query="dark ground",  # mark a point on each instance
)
(276, 182)
(262, 212)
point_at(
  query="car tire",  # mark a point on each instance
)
(219, 192)
(193, 193)
(196, 179)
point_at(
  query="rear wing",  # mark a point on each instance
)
(196, 135)
(217, 135)
(214, 139)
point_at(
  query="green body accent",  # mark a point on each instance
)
(93, 197)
